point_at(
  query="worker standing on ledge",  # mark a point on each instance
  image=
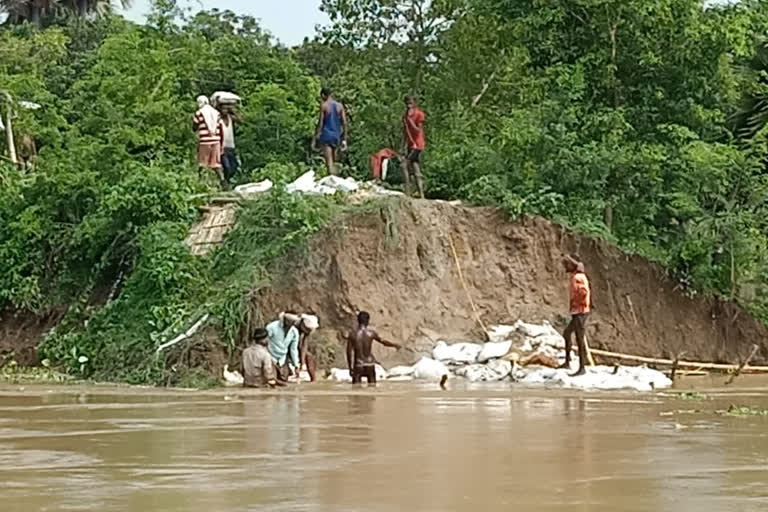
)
(580, 306)
(415, 142)
(332, 129)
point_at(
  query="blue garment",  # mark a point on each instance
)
(283, 346)
(332, 125)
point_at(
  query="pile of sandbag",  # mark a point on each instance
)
(309, 185)
(637, 378)
(527, 354)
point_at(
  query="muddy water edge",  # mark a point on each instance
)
(397, 447)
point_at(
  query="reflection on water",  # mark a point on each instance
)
(374, 450)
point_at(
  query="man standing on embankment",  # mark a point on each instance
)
(332, 128)
(580, 306)
(415, 142)
(207, 125)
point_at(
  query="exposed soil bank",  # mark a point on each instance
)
(399, 266)
(20, 334)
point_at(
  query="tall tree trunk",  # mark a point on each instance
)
(608, 216)
(608, 210)
(9, 128)
(421, 46)
(35, 15)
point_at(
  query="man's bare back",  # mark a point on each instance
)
(360, 357)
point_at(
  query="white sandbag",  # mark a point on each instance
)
(499, 333)
(304, 183)
(224, 98)
(340, 375)
(458, 353)
(343, 375)
(303, 377)
(340, 184)
(429, 369)
(400, 371)
(548, 340)
(492, 372)
(251, 189)
(29, 105)
(383, 191)
(493, 351)
(381, 373)
(597, 378)
(534, 330)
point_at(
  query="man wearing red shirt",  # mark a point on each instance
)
(414, 142)
(580, 307)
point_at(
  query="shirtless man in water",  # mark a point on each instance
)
(359, 354)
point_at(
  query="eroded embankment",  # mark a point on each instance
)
(400, 267)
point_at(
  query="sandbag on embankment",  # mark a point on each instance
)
(500, 360)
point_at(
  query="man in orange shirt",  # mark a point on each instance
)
(580, 305)
(414, 142)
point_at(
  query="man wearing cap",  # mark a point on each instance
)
(258, 368)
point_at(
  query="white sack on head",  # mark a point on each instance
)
(311, 322)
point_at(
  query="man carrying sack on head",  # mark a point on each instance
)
(207, 124)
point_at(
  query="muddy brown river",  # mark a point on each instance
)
(395, 448)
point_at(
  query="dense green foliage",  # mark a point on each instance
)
(620, 118)
(641, 121)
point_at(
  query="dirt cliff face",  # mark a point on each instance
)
(21, 333)
(400, 267)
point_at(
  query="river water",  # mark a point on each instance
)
(398, 447)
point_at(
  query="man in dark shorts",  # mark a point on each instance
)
(359, 354)
(414, 142)
(332, 129)
(580, 306)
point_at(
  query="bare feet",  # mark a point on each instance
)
(581, 371)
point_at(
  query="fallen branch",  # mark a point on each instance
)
(486, 85)
(690, 373)
(742, 365)
(682, 364)
(183, 336)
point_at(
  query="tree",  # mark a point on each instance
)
(409, 26)
(38, 11)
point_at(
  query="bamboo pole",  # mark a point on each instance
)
(466, 289)
(185, 335)
(682, 364)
